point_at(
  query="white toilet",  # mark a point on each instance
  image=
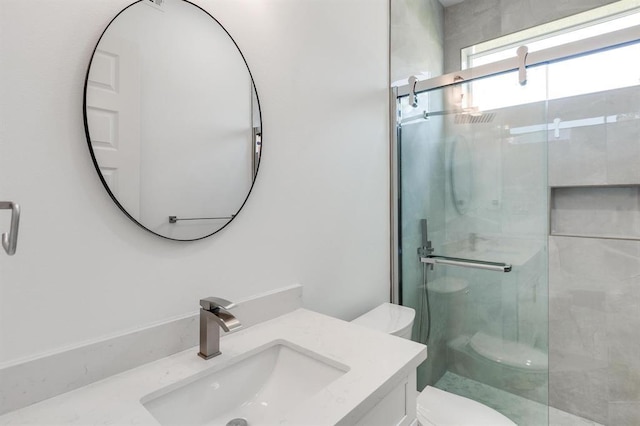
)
(435, 407)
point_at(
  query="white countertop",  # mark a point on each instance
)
(377, 363)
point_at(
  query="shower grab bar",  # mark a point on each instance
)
(466, 263)
(10, 239)
(174, 219)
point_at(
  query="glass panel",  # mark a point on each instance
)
(594, 158)
(483, 191)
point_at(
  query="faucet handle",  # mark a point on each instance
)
(212, 303)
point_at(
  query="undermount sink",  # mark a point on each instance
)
(260, 389)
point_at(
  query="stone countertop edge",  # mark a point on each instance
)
(377, 363)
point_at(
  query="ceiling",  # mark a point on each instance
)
(447, 3)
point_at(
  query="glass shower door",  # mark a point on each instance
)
(473, 198)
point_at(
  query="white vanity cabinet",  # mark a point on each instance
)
(398, 407)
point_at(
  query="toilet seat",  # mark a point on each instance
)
(439, 408)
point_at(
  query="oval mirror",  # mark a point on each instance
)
(461, 175)
(172, 119)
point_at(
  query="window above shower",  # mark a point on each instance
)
(604, 70)
(595, 22)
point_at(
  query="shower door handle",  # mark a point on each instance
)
(10, 239)
(466, 263)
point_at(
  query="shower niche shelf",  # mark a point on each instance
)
(605, 211)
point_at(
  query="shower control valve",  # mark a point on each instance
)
(426, 250)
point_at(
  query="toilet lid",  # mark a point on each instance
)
(388, 318)
(439, 408)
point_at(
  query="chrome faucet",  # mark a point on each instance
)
(214, 315)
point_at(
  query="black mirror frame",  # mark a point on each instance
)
(95, 161)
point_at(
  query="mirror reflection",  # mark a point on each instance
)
(461, 174)
(173, 119)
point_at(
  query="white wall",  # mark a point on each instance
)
(318, 214)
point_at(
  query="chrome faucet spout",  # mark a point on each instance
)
(224, 319)
(213, 316)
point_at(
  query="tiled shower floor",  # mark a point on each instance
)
(521, 410)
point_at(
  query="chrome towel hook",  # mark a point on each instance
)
(10, 239)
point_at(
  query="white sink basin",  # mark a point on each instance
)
(260, 388)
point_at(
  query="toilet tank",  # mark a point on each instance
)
(389, 318)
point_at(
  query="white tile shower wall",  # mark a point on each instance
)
(416, 38)
(594, 302)
(318, 213)
(34, 380)
(472, 22)
(605, 154)
(594, 308)
(594, 286)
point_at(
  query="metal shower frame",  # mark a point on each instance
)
(519, 63)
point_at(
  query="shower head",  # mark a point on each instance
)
(474, 117)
